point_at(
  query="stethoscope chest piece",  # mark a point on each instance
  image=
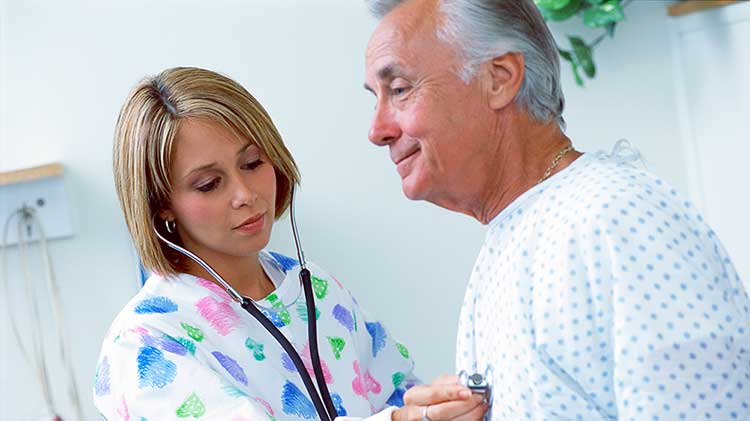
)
(480, 384)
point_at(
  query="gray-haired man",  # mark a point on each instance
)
(599, 293)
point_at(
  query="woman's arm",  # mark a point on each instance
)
(143, 374)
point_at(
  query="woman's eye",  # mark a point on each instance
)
(207, 187)
(252, 165)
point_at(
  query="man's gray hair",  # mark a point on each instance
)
(483, 29)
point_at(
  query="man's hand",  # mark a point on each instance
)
(445, 399)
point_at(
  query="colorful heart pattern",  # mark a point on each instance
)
(338, 403)
(302, 311)
(343, 316)
(256, 348)
(319, 286)
(337, 345)
(155, 305)
(153, 369)
(364, 384)
(214, 314)
(219, 291)
(294, 402)
(231, 366)
(403, 350)
(101, 382)
(377, 332)
(192, 407)
(193, 332)
(285, 262)
(218, 314)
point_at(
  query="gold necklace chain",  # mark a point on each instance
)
(555, 161)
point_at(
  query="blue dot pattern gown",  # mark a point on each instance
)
(183, 349)
(602, 294)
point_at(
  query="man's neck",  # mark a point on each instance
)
(525, 154)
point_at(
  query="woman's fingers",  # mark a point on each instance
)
(422, 395)
(476, 414)
(461, 409)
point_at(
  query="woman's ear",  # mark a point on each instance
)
(506, 74)
(166, 214)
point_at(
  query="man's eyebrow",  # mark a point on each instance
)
(386, 74)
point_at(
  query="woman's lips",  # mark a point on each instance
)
(252, 225)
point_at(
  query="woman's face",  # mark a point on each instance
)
(223, 192)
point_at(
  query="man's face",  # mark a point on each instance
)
(434, 124)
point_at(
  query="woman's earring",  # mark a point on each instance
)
(171, 226)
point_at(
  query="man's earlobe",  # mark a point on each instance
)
(507, 74)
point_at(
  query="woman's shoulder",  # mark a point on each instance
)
(163, 304)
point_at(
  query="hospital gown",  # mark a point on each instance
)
(602, 294)
(182, 349)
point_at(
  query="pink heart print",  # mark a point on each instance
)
(307, 360)
(362, 385)
(214, 288)
(123, 410)
(219, 314)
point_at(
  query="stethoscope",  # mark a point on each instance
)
(322, 402)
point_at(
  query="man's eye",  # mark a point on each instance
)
(252, 165)
(398, 91)
(207, 187)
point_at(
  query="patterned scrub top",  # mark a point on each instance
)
(602, 294)
(183, 349)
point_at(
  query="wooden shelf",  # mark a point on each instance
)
(691, 6)
(30, 174)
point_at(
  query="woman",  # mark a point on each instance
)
(197, 157)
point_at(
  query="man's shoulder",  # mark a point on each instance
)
(605, 185)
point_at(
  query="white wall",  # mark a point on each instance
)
(70, 64)
(712, 60)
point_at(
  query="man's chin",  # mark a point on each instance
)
(412, 190)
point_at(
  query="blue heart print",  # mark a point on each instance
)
(343, 316)
(102, 378)
(378, 334)
(285, 262)
(156, 305)
(232, 367)
(338, 403)
(153, 369)
(296, 403)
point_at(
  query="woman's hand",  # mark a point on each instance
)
(444, 398)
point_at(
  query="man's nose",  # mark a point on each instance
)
(384, 128)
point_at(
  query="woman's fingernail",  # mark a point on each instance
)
(464, 393)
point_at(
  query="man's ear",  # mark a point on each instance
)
(506, 73)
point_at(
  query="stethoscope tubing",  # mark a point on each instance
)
(322, 402)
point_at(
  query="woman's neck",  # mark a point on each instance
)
(244, 273)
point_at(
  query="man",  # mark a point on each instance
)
(599, 292)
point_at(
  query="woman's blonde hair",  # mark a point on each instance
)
(145, 139)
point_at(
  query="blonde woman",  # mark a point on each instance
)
(198, 158)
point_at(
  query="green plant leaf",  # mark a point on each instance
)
(603, 14)
(583, 56)
(568, 56)
(552, 4)
(579, 79)
(565, 55)
(561, 14)
(594, 2)
(611, 29)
